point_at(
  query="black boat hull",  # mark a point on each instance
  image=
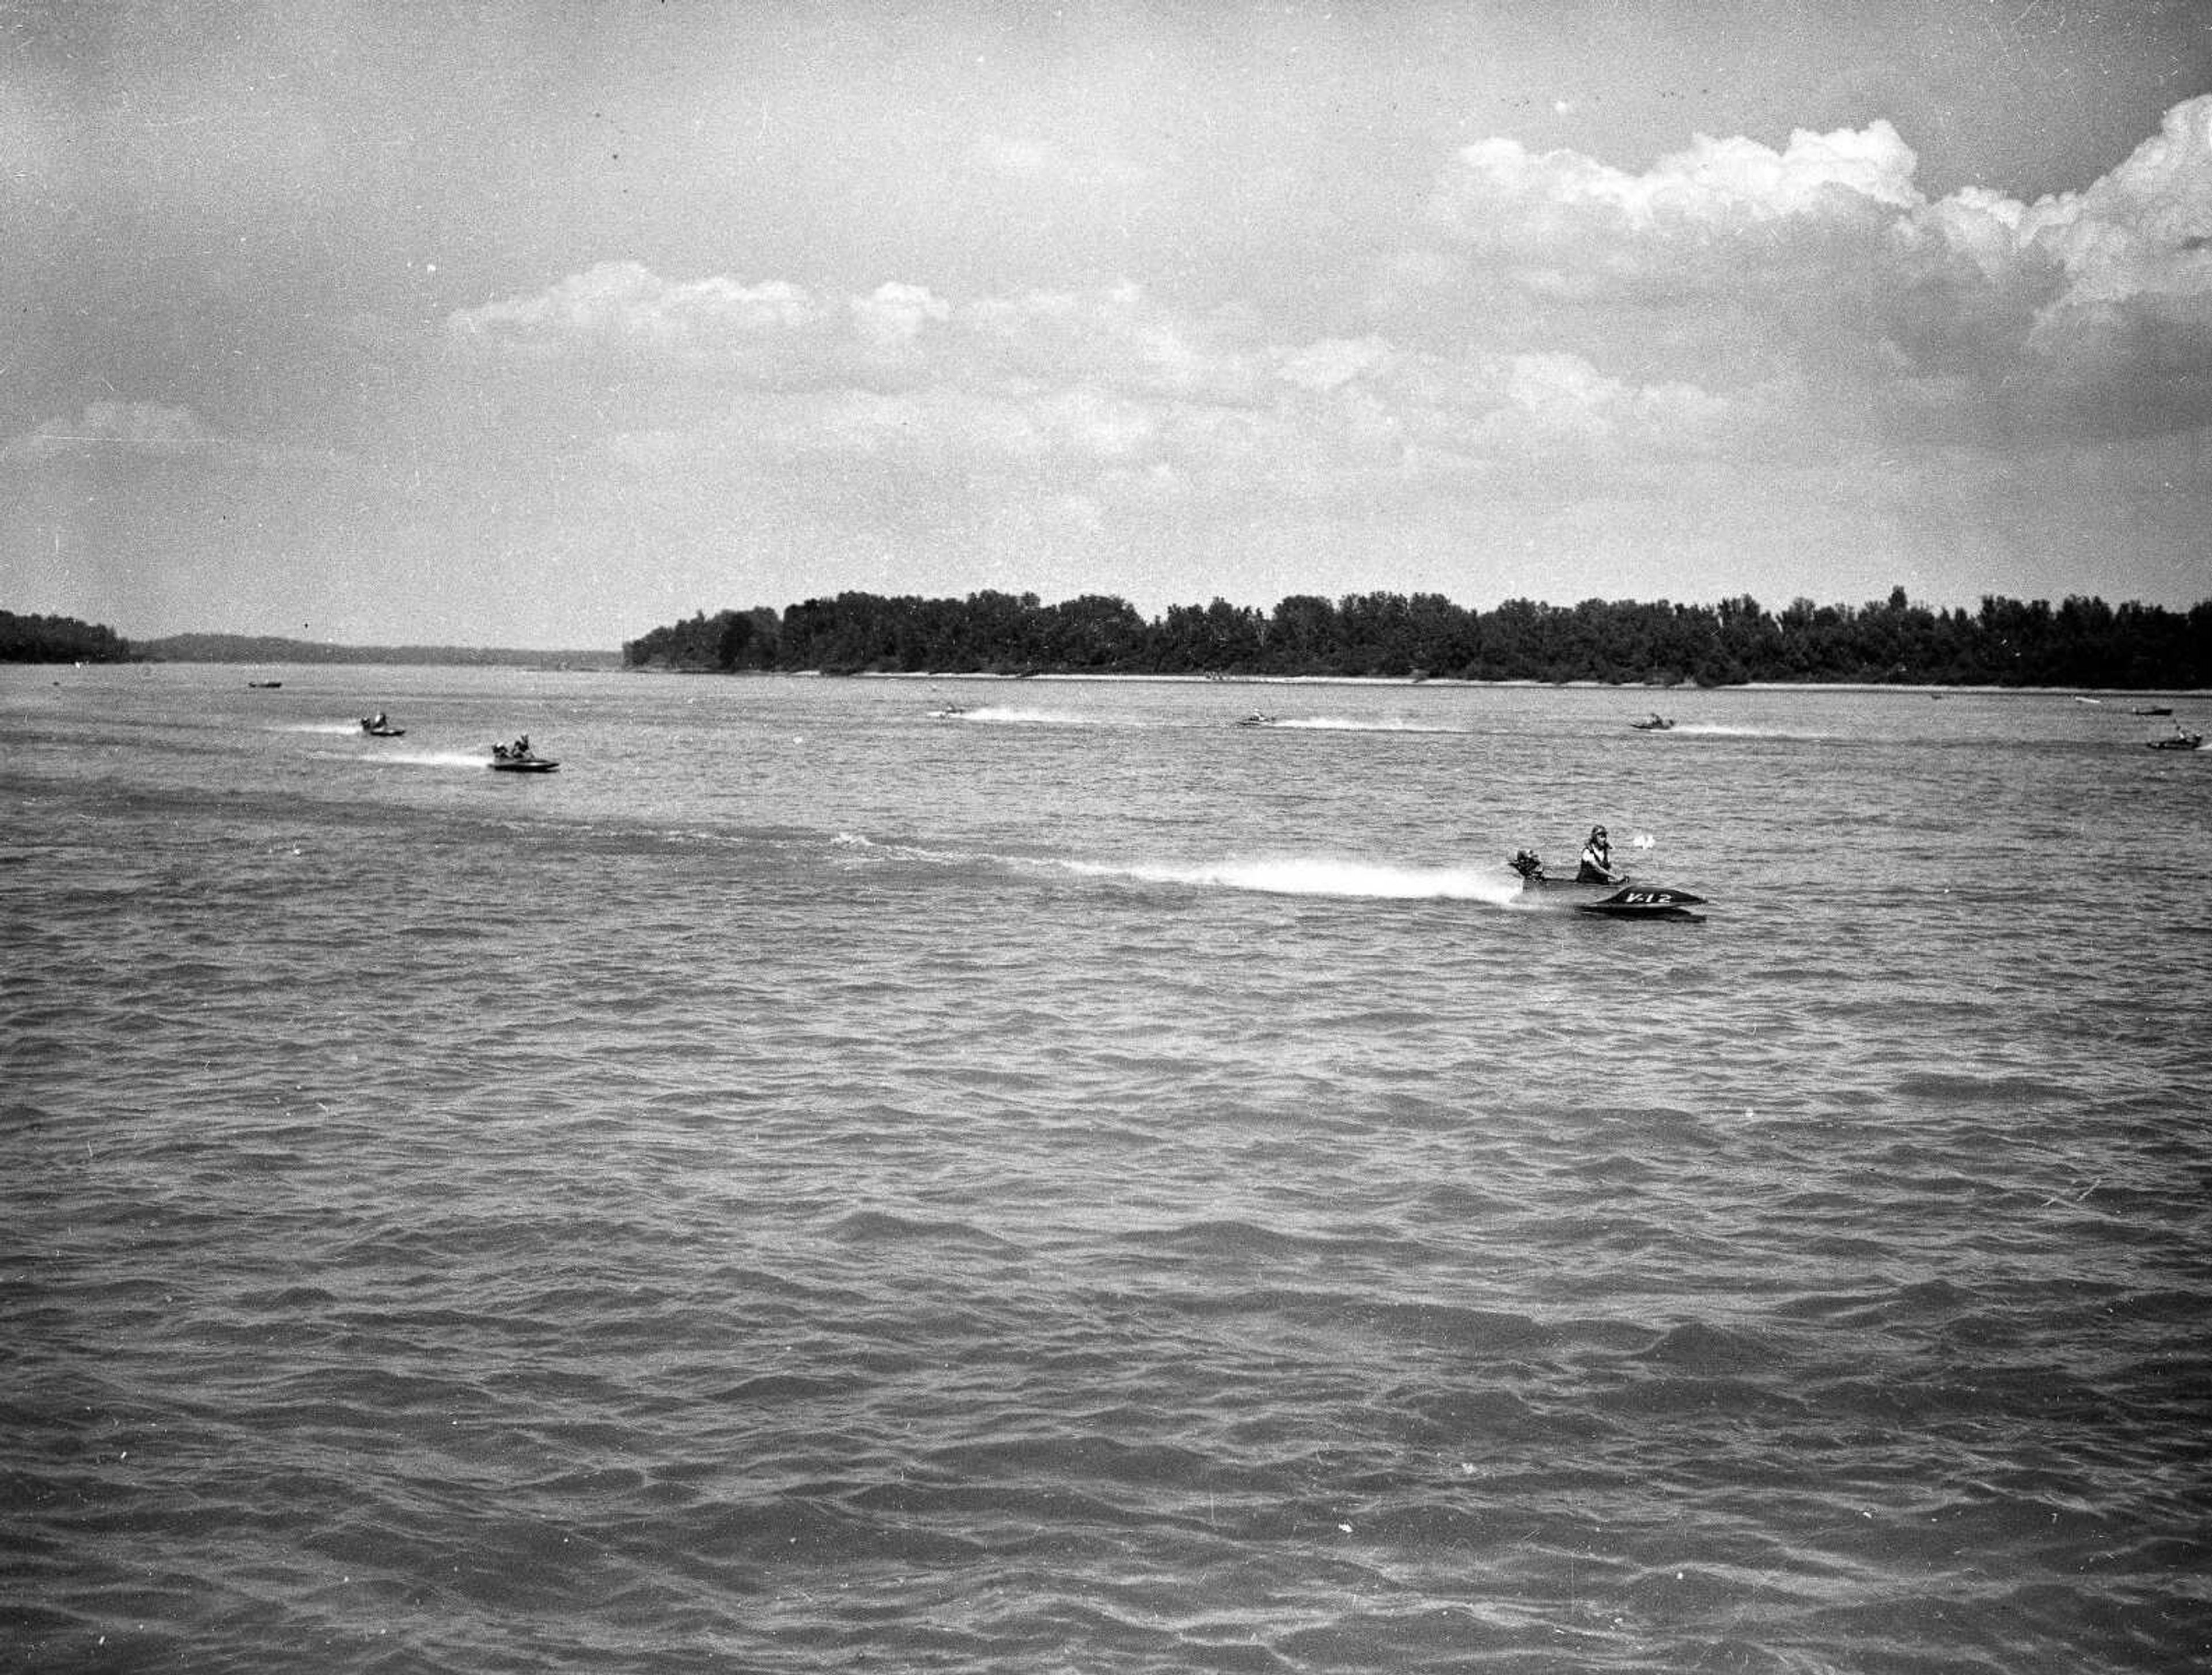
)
(1625, 899)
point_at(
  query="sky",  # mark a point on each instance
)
(420, 322)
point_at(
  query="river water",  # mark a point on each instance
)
(1077, 1184)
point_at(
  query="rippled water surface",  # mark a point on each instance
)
(1076, 1185)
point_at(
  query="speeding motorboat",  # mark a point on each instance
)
(377, 728)
(2180, 740)
(519, 758)
(1656, 724)
(1257, 718)
(1617, 897)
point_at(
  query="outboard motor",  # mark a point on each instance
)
(1526, 864)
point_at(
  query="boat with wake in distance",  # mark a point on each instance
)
(519, 758)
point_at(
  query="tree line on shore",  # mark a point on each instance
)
(32, 639)
(2082, 642)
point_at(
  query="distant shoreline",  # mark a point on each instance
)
(310, 654)
(1933, 690)
(240, 649)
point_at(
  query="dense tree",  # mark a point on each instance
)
(726, 641)
(2083, 643)
(59, 640)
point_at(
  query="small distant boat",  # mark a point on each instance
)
(377, 728)
(266, 686)
(1258, 718)
(2180, 741)
(2154, 709)
(944, 711)
(1656, 724)
(519, 758)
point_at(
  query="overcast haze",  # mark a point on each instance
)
(544, 324)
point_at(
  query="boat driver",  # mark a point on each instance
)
(1597, 860)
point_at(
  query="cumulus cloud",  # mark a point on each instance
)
(2129, 335)
(2144, 231)
(624, 314)
(1553, 397)
(1713, 183)
(1101, 391)
(1569, 327)
(1824, 262)
(626, 305)
(893, 316)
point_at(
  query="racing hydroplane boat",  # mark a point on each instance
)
(1619, 897)
(519, 758)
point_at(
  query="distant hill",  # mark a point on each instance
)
(270, 649)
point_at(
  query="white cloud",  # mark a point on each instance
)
(1552, 397)
(1739, 265)
(895, 315)
(2109, 289)
(626, 303)
(621, 320)
(1734, 313)
(2144, 230)
(1333, 362)
(1497, 183)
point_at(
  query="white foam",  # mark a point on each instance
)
(1006, 714)
(429, 758)
(1348, 724)
(1315, 876)
(1281, 875)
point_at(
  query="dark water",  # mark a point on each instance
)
(1080, 1186)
